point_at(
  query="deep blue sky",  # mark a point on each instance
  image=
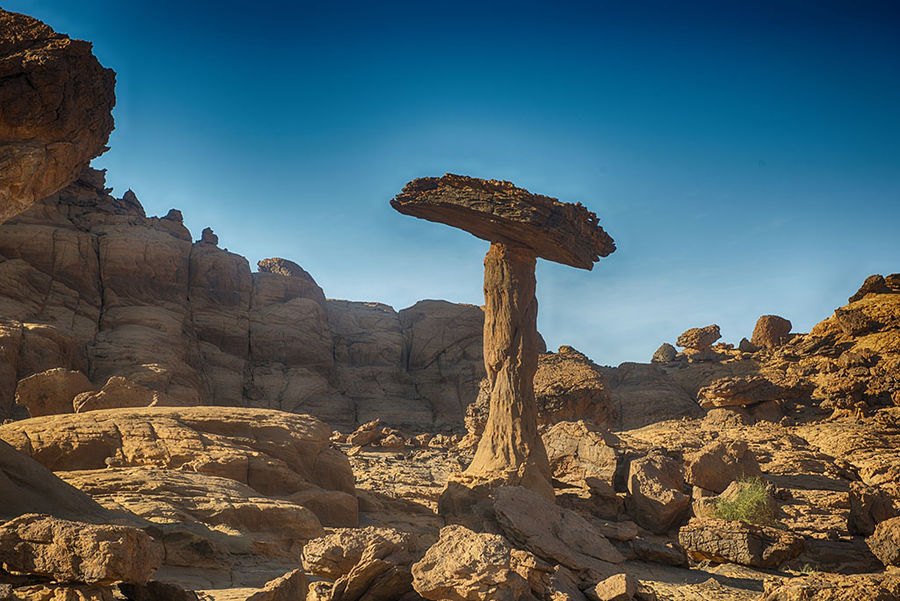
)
(746, 160)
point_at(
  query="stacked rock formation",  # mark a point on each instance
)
(520, 226)
(57, 101)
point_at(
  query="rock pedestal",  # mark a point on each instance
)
(511, 444)
(521, 227)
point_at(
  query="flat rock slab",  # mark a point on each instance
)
(498, 211)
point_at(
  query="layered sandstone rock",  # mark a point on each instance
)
(91, 284)
(78, 552)
(57, 110)
(738, 542)
(655, 485)
(51, 391)
(717, 465)
(469, 566)
(274, 453)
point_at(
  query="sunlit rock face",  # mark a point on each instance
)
(57, 101)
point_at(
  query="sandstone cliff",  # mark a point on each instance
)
(89, 283)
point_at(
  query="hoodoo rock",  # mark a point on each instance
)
(520, 226)
(57, 101)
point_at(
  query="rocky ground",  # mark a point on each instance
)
(178, 427)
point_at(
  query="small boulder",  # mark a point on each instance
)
(620, 587)
(289, 587)
(723, 541)
(666, 353)
(469, 566)
(51, 392)
(745, 346)
(700, 339)
(367, 434)
(885, 542)
(335, 554)
(717, 464)
(655, 485)
(770, 331)
(78, 552)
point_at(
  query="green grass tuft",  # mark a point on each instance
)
(750, 505)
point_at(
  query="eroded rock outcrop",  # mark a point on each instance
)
(57, 110)
(276, 454)
(67, 551)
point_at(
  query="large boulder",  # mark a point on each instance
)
(718, 464)
(885, 542)
(51, 391)
(656, 499)
(555, 534)
(336, 554)
(471, 566)
(770, 331)
(275, 453)
(582, 454)
(57, 110)
(78, 552)
(739, 542)
(699, 339)
(740, 391)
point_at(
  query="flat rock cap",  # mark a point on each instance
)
(498, 211)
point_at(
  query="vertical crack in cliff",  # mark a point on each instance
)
(101, 288)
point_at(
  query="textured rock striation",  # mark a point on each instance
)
(57, 101)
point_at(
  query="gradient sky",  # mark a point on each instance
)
(745, 159)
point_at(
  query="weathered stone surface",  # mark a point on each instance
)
(51, 391)
(26, 486)
(336, 554)
(619, 587)
(567, 387)
(290, 587)
(57, 110)
(510, 447)
(78, 552)
(738, 542)
(497, 211)
(770, 331)
(739, 391)
(91, 284)
(443, 346)
(59, 592)
(195, 511)
(581, 454)
(718, 464)
(885, 542)
(117, 393)
(700, 339)
(666, 353)
(834, 587)
(655, 485)
(469, 566)
(555, 534)
(644, 394)
(874, 284)
(275, 453)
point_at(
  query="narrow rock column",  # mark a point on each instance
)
(511, 444)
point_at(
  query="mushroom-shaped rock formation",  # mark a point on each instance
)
(520, 226)
(55, 111)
